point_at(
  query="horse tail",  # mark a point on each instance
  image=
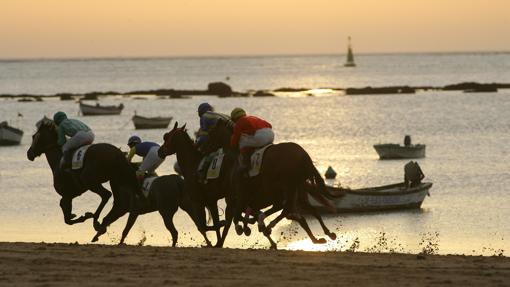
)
(317, 188)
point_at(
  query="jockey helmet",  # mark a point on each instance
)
(204, 107)
(134, 140)
(58, 117)
(237, 113)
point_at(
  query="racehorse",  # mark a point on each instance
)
(166, 195)
(286, 176)
(103, 162)
(177, 141)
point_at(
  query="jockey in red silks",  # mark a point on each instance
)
(250, 132)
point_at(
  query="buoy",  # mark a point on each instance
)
(330, 173)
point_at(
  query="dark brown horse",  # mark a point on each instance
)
(166, 195)
(287, 172)
(103, 162)
(178, 142)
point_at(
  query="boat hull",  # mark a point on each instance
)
(389, 197)
(151, 123)
(395, 151)
(91, 110)
(10, 136)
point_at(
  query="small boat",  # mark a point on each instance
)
(350, 55)
(9, 135)
(386, 197)
(151, 123)
(97, 110)
(396, 151)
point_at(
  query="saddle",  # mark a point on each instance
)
(256, 160)
(147, 184)
(78, 157)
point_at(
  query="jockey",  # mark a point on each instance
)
(79, 135)
(208, 119)
(250, 132)
(149, 152)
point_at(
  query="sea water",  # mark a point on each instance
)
(467, 137)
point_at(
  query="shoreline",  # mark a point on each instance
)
(221, 89)
(60, 264)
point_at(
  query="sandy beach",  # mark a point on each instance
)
(43, 264)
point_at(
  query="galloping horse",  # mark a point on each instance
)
(287, 173)
(166, 195)
(103, 162)
(202, 195)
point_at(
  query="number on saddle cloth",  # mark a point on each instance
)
(256, 160)
(78, 156)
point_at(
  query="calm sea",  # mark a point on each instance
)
(467, 138)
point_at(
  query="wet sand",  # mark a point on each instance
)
(42, 264)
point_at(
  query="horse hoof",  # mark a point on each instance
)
(96, 238)
(320, 241)
(247, 231)
(239, 229)
(332, 235)
(97, 225)
(273, 247)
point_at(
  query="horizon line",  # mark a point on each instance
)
(204, 56)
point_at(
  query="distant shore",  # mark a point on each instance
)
(72, 264)
(221, 89)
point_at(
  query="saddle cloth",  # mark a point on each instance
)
(78, 156)
(214, 169)
(256, 160)
(147, 184)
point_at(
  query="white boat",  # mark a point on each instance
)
(350, 55)
(9, 135)
(151, 123)
(96, 110)
(396, 151)
(387, 197)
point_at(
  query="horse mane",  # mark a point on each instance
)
(46, 122)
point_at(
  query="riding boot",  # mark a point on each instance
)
(203, 168)
(140, 176)
(65, 163)
(245, 163)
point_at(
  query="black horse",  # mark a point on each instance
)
(286, 179)
(166, 195)
(103, 162)
(202, 195)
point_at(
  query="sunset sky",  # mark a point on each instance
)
(152, 28)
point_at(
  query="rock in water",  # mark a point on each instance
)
(330, 173)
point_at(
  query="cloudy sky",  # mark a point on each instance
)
(152, 28)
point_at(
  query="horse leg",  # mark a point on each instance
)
(304, 225)
(213, 208)
(122, 202)
(316, 214)
(69, 217)
(168, 216)
(228, 221)
(131, 220)
(260, 218)
(105, 195)
(273, 223)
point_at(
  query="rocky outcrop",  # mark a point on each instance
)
(220, 89)
(380, 91)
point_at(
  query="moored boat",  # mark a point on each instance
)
(97, 109)
(151, 122)
(9, 135)
(386, 197)
(396, 151)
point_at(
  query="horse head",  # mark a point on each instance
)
(219, 136)
(43, 139)
(172, 140)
